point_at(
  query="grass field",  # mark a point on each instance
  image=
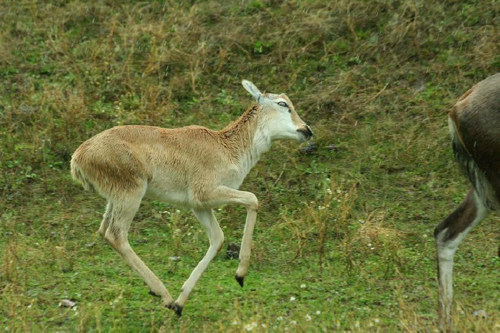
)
(344, 237)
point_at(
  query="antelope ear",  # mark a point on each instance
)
(252, 89)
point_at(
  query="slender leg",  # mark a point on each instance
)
(246, 245)
(448, 236)
(123, 212)
(106, 219)
(216, 237)
(226, 195)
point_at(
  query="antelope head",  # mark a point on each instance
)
(279, 116)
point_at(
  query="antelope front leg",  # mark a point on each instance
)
(216, 237)
(246, 245)
(225, 195)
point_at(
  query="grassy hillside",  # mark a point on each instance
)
(344, 238)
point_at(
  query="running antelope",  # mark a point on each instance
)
(474, 124)
(192, 166)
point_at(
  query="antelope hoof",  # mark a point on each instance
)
(240, 280)
(153, 293)
(176, 307)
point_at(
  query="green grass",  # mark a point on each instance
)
(344, 238)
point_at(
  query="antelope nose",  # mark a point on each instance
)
(310, 131)
(306, 131)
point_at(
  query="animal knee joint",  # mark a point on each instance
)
(219, 242)
(254, 203)
(114, 239)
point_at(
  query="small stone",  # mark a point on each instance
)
(480, 313)
(309, 149)
(333, 147)
(67, 303)
(233, 251)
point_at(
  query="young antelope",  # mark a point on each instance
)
(192, 166)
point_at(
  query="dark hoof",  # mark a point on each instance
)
(240, 280)
(177, 308)
(153, 294)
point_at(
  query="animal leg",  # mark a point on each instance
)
(123, 212)
(448, 236)
(226, 195)
(216, 237)
(106, 219)
(246, 246)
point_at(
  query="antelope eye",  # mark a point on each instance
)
(283, 104)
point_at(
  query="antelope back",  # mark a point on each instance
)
(475, 123)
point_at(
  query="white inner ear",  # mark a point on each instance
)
(252, 89)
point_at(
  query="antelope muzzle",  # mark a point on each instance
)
(306, 132)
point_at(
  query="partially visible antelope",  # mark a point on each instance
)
(474, 124)
(192, 166)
